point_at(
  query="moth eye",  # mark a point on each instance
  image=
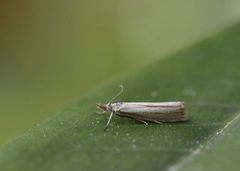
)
(109, 107)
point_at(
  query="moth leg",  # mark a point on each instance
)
(142, 121)
(157, 122)
(110, 118)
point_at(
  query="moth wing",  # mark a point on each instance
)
(166, 107)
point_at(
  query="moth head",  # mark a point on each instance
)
(102, 106)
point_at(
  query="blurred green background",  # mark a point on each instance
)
(53, 51)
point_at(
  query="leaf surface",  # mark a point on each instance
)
(205, 76)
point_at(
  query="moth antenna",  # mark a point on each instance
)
(118, 94)
(110, 118)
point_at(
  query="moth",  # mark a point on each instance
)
(145, 112)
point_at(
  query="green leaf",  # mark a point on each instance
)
(205, 76)
(221, 152)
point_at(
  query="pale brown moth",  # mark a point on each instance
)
(145, 112)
